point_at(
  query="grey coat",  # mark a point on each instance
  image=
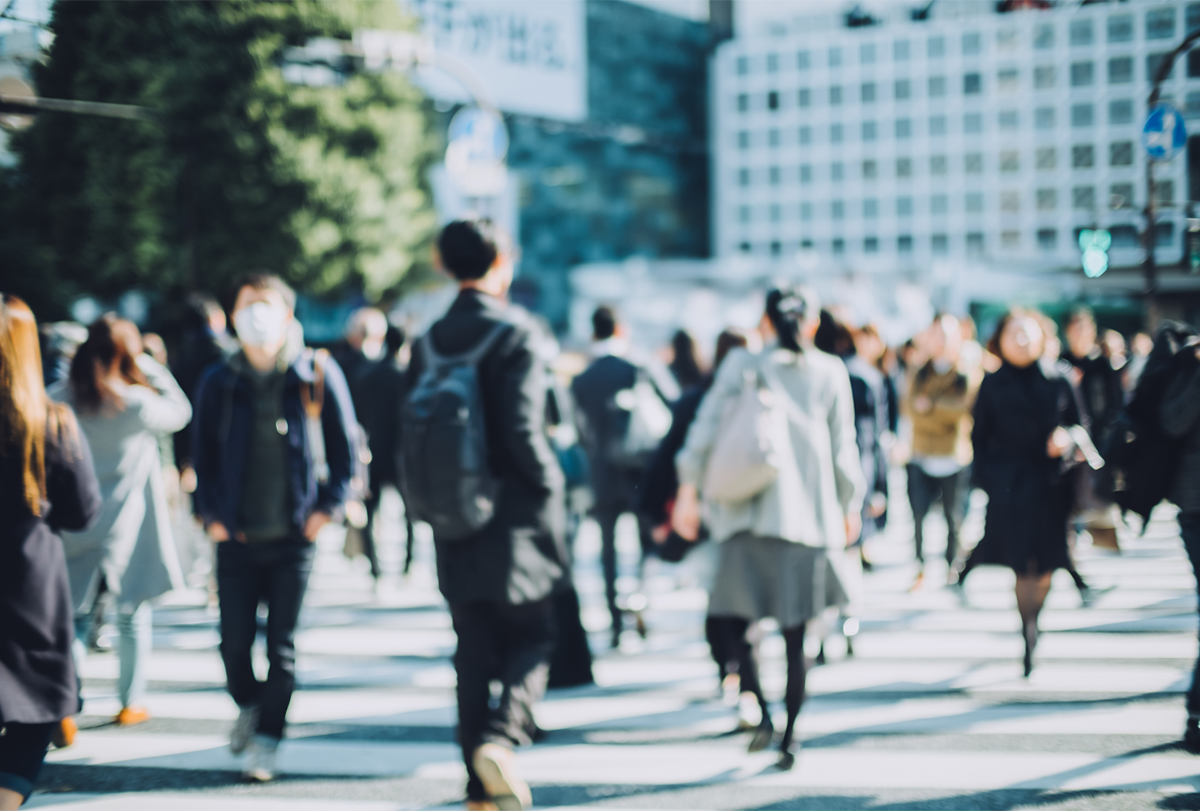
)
(131, 543)
(820, 483)
(1180, 412)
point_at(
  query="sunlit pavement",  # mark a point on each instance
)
(930, 712)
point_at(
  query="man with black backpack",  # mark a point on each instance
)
(477, 465)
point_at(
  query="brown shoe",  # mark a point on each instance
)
(496, 767)
(64, 735)
(132, 716)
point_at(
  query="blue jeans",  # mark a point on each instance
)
(275, 573)
(1189, 528)
(135, 638)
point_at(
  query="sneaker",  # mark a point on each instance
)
(243, 728)
(1191, 736)
(261, 767)
(496, 767)
(132, 716)
(64, 734)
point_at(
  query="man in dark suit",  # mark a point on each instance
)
(499, 581)
(604, 421)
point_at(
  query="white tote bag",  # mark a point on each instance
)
(747, 454)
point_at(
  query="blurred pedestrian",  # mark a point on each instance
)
(263, 495)
(1023, 448)
(127, 403)
(783, 537)
(47, 484)
(1139, 352)
(205, 342)
(500, 564)
(361, 346)
(941, 394)
(686, 364)
(623, 404)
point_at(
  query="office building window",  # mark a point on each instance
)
(1120, 195)
(1120, 28)
(743, 65)
(900, 50)
(744, 214)
(775, 213)
(1081, 32)
(940, 243)
(971, 44)
(1164, 192)
(1010, 201)
(974, 202)
(1047, 239)
(1010, 240)
(803, 60)
(804, 97)
(776, 247)
(805, 135)
(1008, 119)
(1007, 80)
(1083, 197)
(904, 243)
(743, 138)
(904, 206)
(903, 127)
(973, 123)
(1120, 153)
(838, 245)
(1160, 23)
(1192, 19)
(774, 175)
(870, 170)
(806, 173)
(743, 177)
(743, 102)
(869, 130)
(866, 53)
(1043, 77)
(973, 163)
(1043, 118)
(837, 171)
(772, 137)
(1043, 37)
(867, 92)
(937, 86)
(1191, 105)
(903, 167)
(903, 89)
(937, 164)
(870, 208)
(936, 47)
(972, 84)
(806, 211)
(974, 243)
(1083, 115)
(871, 245)
(939, 204)
(1046, 158)
(1153, 63)
(835, 133)
(837, 210)
(937, 125)
(772, 63)
(1164, 234)
(835, 95)
(1010, 162)
(744, 247)
(1047, 199)
(1006, 40)
(1193, 64)
(1120, 111)
(1120, 70)
(1082, 73)
(835, 57)
(1083, 156)
(773, 100)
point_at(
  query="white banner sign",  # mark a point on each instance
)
(530, 55)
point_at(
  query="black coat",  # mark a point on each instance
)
(1030, 495)
(378, 405)
(520, 556)
(1102, 392)
(871, 421)
(37, 674)
(661, 481)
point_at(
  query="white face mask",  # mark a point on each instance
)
(260, 324)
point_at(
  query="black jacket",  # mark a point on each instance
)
(520, 556)
(661, 481)
(378, 404)
(37, 674)
(1101, 390)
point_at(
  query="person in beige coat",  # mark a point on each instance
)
(782, 548)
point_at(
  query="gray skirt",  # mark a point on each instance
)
(769, 577)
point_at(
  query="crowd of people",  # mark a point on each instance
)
(776, 463)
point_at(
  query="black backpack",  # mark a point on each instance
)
(1140, 459)
(443, 447)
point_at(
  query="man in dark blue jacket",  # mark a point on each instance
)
(265, 486)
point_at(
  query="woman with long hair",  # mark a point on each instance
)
(124, 400)
(1023, 449)
(783, 543)
(46, 485)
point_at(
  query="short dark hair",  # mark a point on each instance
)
(604, 322)
(261, 280)
(394, 339)
(1082, 313)
(469, 248)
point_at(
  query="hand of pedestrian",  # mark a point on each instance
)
(314, 524)
(853, 528)
(685, 518)
(922, 404)
(217, 531)
(1058, 443)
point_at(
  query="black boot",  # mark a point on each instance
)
(763, 735)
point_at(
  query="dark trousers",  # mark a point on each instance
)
(607, 519)
(923, 491)
(22, 750)
(1189, 527)
(274, 573)
(370, 547)
(510, 645)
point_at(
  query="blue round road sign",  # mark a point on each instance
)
(1164, 134)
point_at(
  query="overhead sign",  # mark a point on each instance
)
(1095, 245)
(478, 143)
(530, 54)
(1164, 134)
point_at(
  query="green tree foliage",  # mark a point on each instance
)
(325, 185)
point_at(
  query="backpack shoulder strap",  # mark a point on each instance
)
(312, 395)
(433, 358)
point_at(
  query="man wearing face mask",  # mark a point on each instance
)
(263, 496)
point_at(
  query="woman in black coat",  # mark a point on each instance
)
(1022, 453)
(46, 484)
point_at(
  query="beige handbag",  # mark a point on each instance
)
(747, 454)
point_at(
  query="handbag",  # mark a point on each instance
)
(752, 438)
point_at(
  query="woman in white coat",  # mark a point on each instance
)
(124, 400)
(782, 546)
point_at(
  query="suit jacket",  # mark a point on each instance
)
(378, 405)
(520, 555)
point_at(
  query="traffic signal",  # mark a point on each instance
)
(1094, 244)
(1192, 245)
